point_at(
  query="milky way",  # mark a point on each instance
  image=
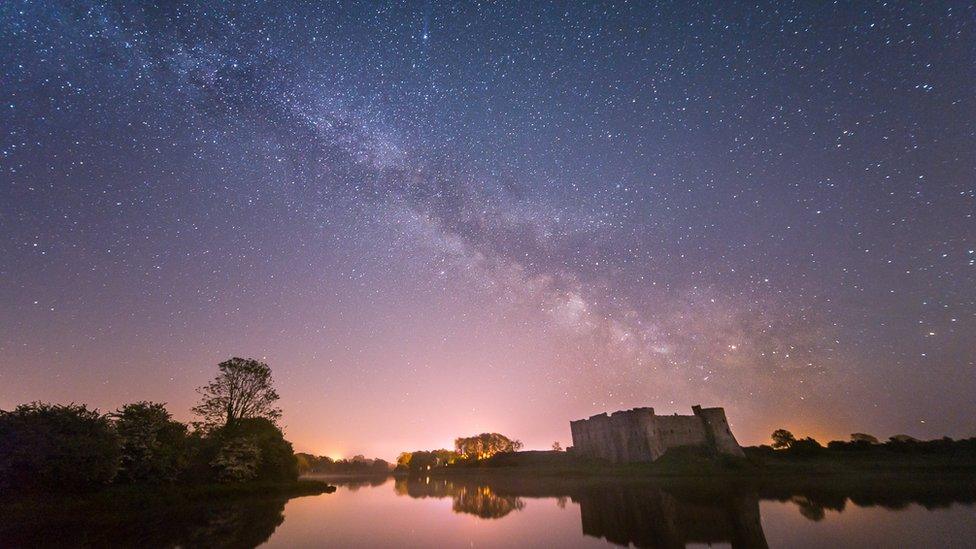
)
(435, 219)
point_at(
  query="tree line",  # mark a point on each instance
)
(783, 442)
(69, 447)
(466, 450)
(357, 465)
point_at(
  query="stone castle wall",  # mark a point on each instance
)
(641, 435)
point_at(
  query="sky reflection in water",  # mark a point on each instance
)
(506, 512)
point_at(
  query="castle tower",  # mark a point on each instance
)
(717, 430)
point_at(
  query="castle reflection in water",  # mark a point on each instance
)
(648, 514)
(623, 513)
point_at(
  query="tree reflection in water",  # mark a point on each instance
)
(473, 499)
(814, 500)
(139, 522)
(482, 502)
(648, 514)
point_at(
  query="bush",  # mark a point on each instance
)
(57, 448)
(227, 448)
(153, 445)
(237, 461)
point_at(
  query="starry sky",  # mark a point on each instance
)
(434, 219)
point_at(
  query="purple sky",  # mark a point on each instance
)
(437, 219)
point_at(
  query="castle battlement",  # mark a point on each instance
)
(641, 435)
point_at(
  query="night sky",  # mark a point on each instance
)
(434, 220)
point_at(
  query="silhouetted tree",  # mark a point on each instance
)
(153, 445)
(805, 447)
(242, 389)
(358, 465)
(903, 439)
(782, 438)
(556, 447)
(863, 438)
(842, 446)
(56, 447)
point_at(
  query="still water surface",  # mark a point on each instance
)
(444, 513)
(510, 512)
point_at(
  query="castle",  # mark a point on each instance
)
(640, 435)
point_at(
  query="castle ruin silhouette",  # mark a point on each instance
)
(641, 435)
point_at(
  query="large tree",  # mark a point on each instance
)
(782, 439)
(864, 438)
(485, 445)
(243, 389)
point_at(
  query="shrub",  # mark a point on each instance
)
(228, 447)
(57, 448)
(278, 461)
(153, 445)
(237, 460)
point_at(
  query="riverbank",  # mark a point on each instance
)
(225, 515)
(813, 482)
(931, 489)
(693, 465)
(137, 497)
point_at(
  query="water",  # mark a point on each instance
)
(581, 513)
(432, 512)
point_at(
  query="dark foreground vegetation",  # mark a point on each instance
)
(863, 457)
(236, 446)
(210, 515)
(864, 452)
